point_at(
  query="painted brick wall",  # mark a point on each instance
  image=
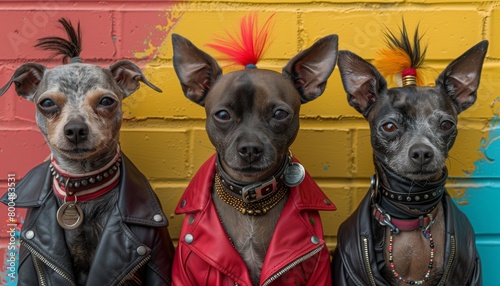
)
(164, 133)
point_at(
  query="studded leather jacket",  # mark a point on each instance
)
(354, 260)
(135, 247)
(297, 253)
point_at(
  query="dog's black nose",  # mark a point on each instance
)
(76, 131)
(250, 151)
(421, 154)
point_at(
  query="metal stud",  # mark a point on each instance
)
(188, 238)
(141, 250)
(158, 217)
(314, 239)
(30, 234)
(76, 184)
(84, 182)
(105, 174)
(417, 198)
(92, 180)
(98, 178)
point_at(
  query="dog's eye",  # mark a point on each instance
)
(106, 101)
(280, 114)
(47, 103)
(446, 125)
(389, 127)
(223, 115)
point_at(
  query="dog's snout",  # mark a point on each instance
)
(421, 154)
(76, 131)
(250, 151)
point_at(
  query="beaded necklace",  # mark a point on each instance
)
(427, 234)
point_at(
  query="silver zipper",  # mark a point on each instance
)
(367, 261)
(132, 272)
(48, 263)
(293, 264)
(38, 268)
(450, 261)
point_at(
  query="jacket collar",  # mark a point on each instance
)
(306, 196)
(34, 188)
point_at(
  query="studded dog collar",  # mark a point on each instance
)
(82, 187)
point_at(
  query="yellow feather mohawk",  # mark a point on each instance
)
(402, 61)
(248, 47)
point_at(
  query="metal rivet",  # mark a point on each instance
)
(314, 239)
(417, 198)
(111, 172)
(426, 196)
(433, 194)
(77, 184)
(158, 217)
(85, 182)
(183, 203)
(105, 174)
(188, 238)
(400, 198)
(392, 196)
(30, 234)
(91, 180)
(115, 168)
(141, 250)
(408, 199)
(191, 219)
(326, 201)
(99, 178)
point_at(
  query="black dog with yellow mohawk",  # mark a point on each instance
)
(407, 230)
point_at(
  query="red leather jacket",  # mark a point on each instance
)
(297, 254)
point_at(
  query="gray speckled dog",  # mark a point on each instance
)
(97, 219)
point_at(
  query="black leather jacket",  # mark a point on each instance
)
(354, 261)
(134, 249)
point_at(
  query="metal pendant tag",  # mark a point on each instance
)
(294, 174)
(69, 215)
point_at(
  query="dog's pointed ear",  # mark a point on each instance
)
(362, 82)
(460, 79)
(26, 78)
(310, 69)
(128, 76)
(196, 70)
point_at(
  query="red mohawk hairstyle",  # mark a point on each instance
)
(247, 48)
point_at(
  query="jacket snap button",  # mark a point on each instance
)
(30, 234)
(183, 203)
(141, 250)
(191, 219)
(189, 238)
(158, 218)
(314, 239)
(327, 202)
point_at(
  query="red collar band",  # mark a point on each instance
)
(88, 186)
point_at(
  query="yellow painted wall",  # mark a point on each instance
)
(164, 133)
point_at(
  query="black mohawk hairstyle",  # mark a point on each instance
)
(68, 48)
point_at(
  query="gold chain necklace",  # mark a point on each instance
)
(254, 208)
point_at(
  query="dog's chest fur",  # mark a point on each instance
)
(82, 242)
(250, 235)
(411, 252)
